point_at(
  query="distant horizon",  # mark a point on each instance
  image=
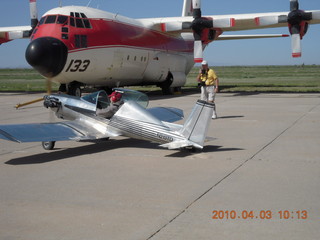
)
(197, 65)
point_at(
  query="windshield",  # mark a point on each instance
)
(132, 95)
(100, 99)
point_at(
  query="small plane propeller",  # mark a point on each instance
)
(297, 22)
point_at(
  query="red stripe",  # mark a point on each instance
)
(198, 60)
(163, 27)
(232, 22)
(113, 34)
(295, 55)
(257, 20)
(33, 1)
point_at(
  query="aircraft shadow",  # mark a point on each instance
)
(99, 146)
(206, 149)
(226, 117)
(61, 154)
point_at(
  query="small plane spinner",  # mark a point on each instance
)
(82, 121)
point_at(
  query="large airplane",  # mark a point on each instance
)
(81, 46)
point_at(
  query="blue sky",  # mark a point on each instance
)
(238, 52)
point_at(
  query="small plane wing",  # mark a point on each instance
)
(39, 132)
(60, 131)
(11, 33)
(166, 114)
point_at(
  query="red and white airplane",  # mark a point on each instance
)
(77, 46)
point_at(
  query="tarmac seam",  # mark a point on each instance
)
(241, 165)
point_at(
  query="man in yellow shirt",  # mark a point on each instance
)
(209, 85)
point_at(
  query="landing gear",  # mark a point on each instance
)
(48, 145)
(74, 89)
(165, 86)
(63, 88)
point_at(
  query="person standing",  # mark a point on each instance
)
(209, 83)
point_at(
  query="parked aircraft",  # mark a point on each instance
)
(83, 122)
(77, 46)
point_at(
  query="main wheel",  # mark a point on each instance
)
(48, 145)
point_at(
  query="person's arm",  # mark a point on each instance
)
(216, 89)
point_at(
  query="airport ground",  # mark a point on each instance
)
(258, 178)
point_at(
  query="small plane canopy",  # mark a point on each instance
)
(132, 95)
(99, 98)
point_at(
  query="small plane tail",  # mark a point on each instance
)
(197, 124)
(195, 128)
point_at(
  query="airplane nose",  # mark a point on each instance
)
(47, 55)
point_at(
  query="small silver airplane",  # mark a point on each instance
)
(133, 119)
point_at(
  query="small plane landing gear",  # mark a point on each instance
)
(48, 145)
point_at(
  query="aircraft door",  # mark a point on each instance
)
(157, 68)
(117, 64)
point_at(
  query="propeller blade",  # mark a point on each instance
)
(33, 13)
(315, 15)
(196, 4)
(294, 5)
(198, 53)
(49, 86)
(296, 45)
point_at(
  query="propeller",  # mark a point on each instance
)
(297, 22)
(198, 25)
(33, 13)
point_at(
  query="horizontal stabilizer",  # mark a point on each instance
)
(166, 114)
(181, 144)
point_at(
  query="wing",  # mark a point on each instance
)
(61, 131)
(254, 36)
(166, 114)
(39, 132)
(205, 29)
(236, 22)
(11, 33)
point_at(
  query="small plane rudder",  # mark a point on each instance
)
(197, 124)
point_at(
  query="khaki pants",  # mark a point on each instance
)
(207, 93)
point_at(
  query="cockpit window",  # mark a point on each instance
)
(83, 15)
(79, 23)
(51, 19)
(62, 20)
(42, 20)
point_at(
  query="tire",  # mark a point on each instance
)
(48, 145)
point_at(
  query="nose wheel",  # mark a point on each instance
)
(48, 145)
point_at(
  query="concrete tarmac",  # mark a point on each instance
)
(259, 178)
